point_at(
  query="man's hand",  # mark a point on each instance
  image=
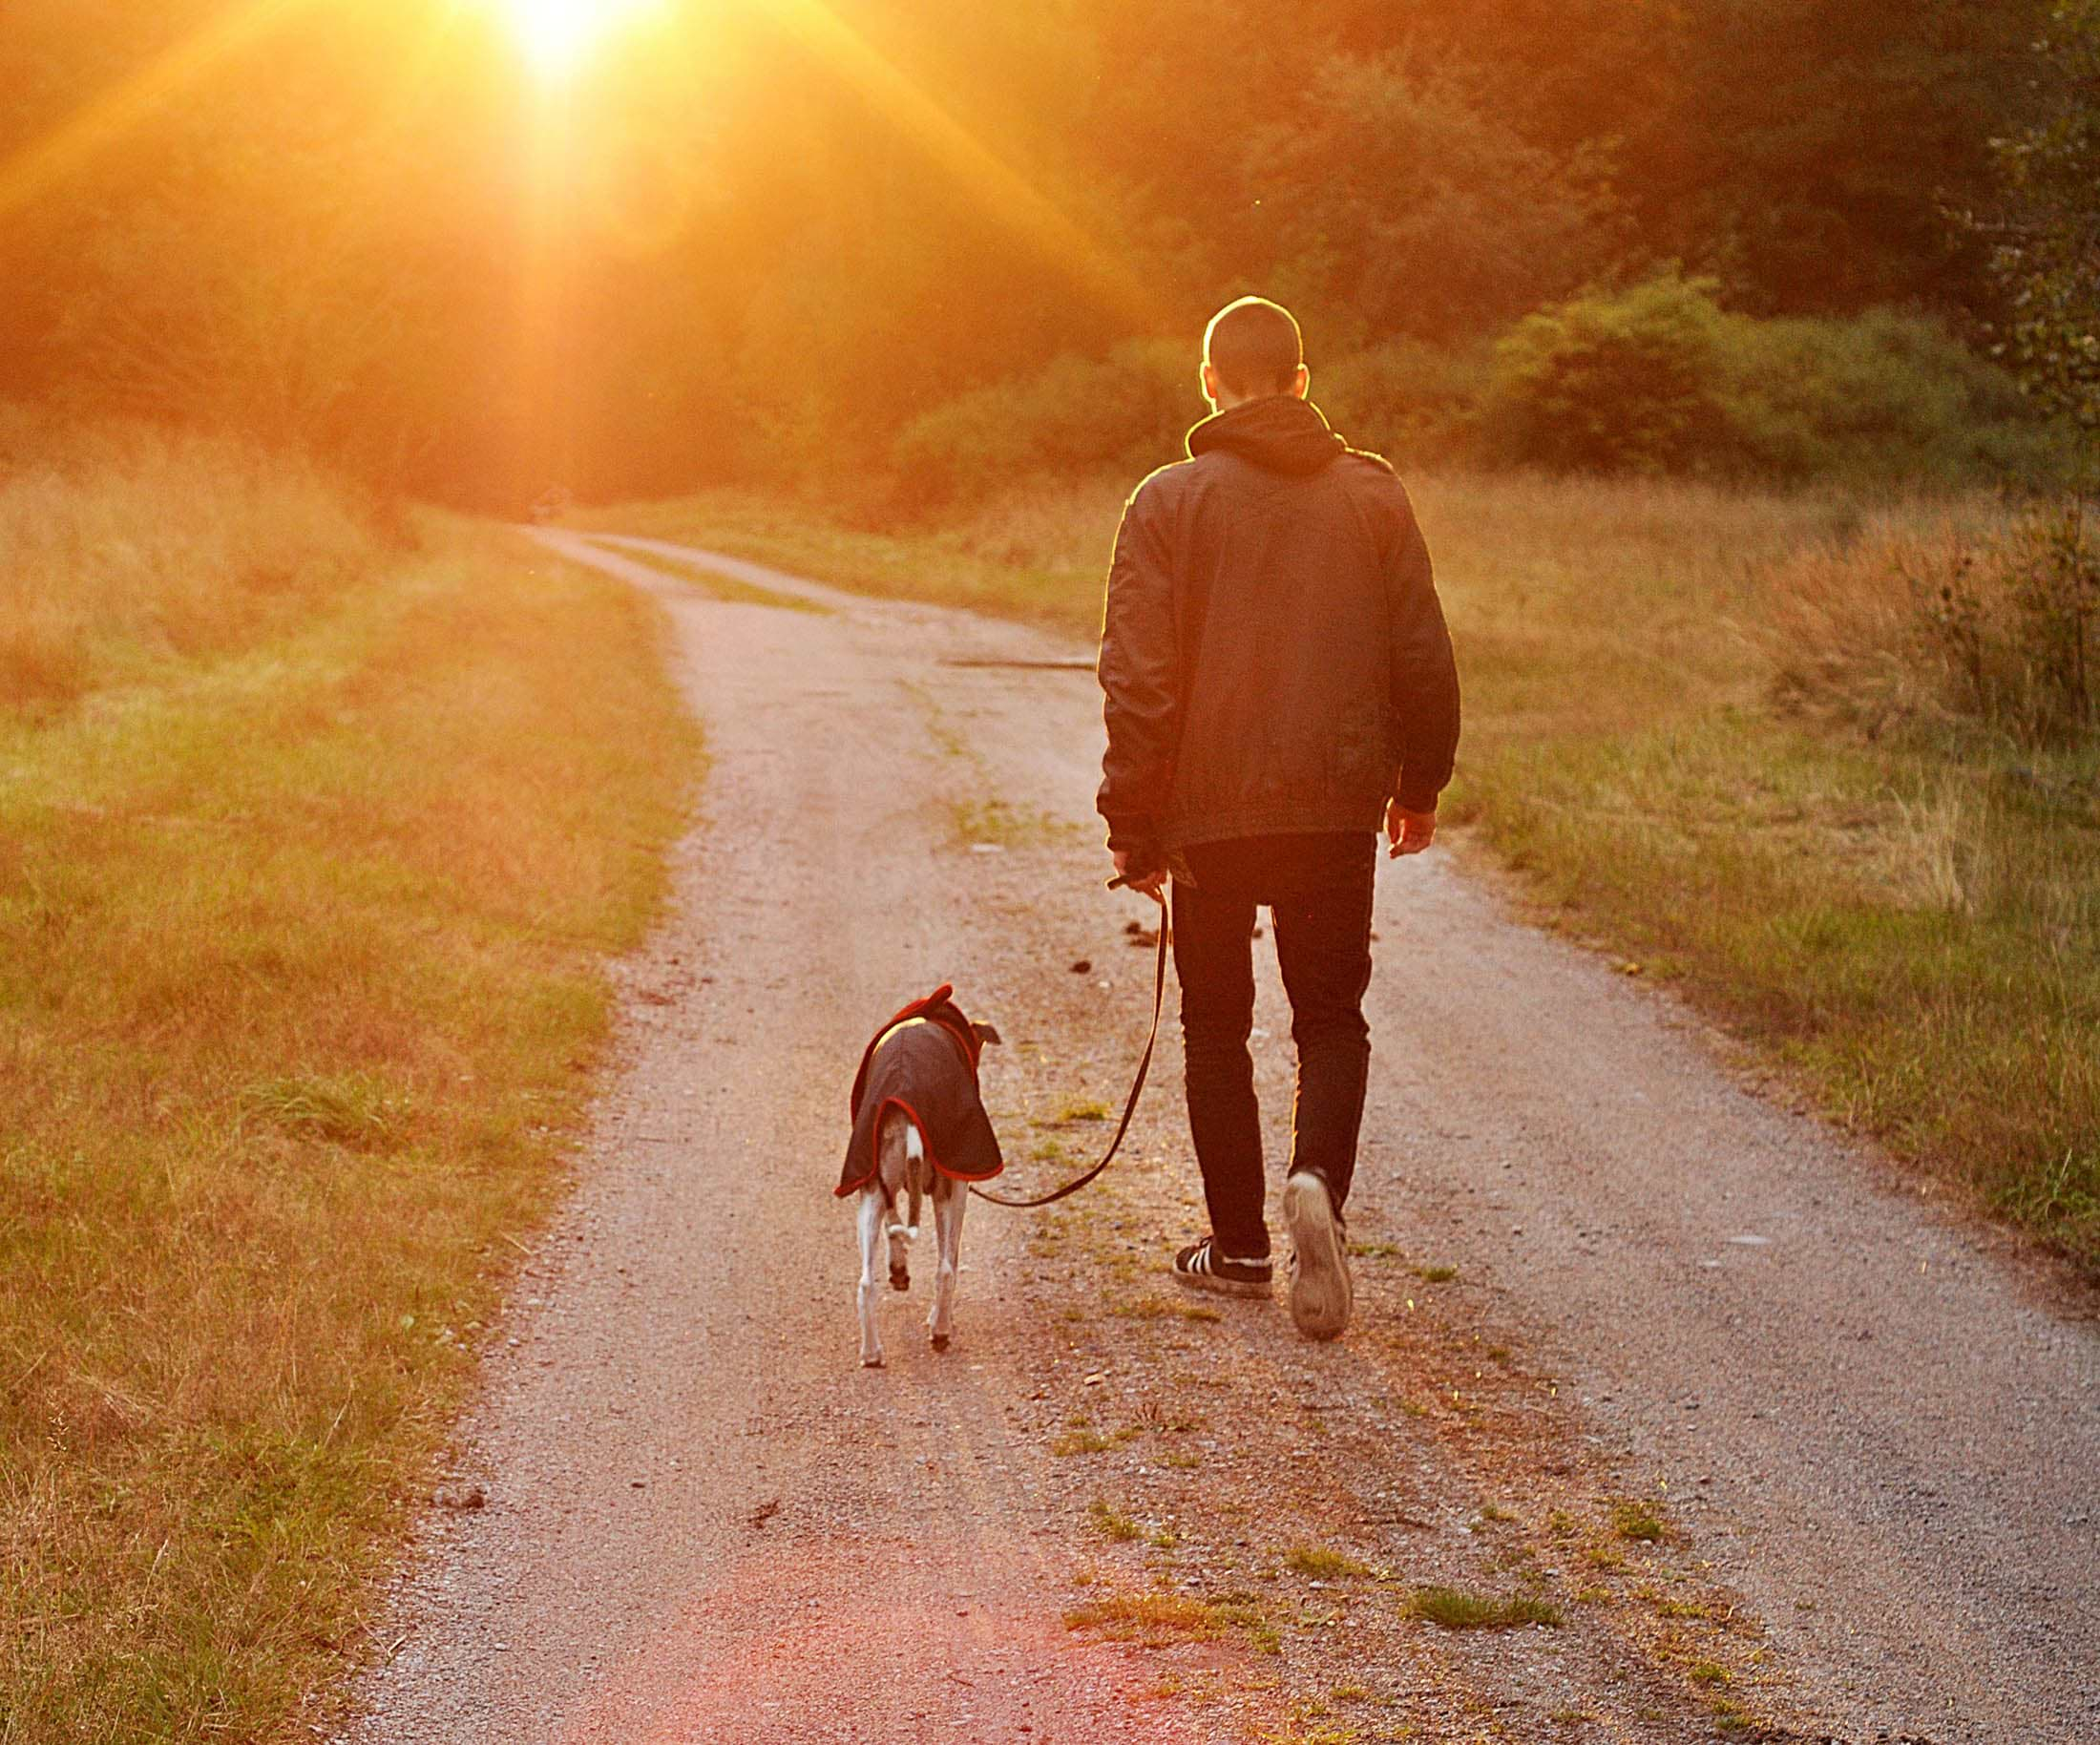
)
(1150, 883)
(1408, 833)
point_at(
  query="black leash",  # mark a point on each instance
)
(1130, 1105)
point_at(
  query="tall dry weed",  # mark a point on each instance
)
(1975, 617)
(125, 543)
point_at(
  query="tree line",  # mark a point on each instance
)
(770, 237)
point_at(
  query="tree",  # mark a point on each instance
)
(2048, 253)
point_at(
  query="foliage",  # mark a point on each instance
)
(1405, 205)
(1129, 411)
(748, 245)
(2049, 249)
(1404, 399)
(1632, 381)
(1660, 378)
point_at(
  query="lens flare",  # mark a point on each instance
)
(557, 35)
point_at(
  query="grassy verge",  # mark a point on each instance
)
(1907, 913)
(300, 927)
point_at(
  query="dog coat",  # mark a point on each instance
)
(930, 1071)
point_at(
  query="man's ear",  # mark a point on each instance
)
(988, 1033)
(1207, 379)
(1301, 384)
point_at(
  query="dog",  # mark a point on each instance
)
(920, 1132)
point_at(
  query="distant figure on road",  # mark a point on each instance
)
(1277, 678)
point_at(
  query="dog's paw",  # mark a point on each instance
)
(940, 1341)
(899, 1279)
(874, 1362)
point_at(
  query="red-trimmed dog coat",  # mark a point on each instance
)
(929, 1069)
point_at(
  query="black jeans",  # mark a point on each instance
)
(1319, 891)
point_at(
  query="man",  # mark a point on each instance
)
(1277, 679)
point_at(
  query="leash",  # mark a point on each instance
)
(1137, 1086)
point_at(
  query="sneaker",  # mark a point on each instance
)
(1321, 1292)
(1201, 1265)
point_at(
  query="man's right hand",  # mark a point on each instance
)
(1408, 833)
(1151, 882)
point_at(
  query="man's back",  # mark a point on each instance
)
(1273, 653)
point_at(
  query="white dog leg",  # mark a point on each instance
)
(872, 1218)
(949, 1202)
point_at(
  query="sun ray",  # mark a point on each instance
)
(1009, 195)
(117, 112)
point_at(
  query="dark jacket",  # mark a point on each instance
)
(1273, 655)
(929, 1069)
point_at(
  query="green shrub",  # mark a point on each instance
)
(1128, 412)
(1407, 401)
(1660, 378)
(1879, 394)
(1615, 381)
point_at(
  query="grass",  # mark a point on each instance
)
(1899, 909)
(1455, 1609)
(1163, 1620)
(995, 821)
(1111, 1523)
(123, 548)
(1640, 1522)
(1324, 1564)
(302, 899)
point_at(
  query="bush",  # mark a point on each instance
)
(1615, 381)
(1128, 412)
(1882, 393)
(1405, 400)
(1659, 378)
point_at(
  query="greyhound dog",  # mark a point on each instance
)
(920, 1132)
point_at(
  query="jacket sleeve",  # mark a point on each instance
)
(1140, 677)
(1424, 672)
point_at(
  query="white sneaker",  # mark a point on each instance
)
(1321, 1290)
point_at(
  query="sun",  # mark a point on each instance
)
(557, 35)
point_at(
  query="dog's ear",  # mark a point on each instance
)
(989, 1033)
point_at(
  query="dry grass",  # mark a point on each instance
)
(122, 546)
(300, 920)
(1909, 922)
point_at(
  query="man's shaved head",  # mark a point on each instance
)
(1255, 347)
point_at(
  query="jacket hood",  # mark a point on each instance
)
(1280, 433)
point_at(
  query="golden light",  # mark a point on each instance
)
(557, 35)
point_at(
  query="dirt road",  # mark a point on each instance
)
(1787, 1454)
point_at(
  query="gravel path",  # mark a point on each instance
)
(1867, 1439)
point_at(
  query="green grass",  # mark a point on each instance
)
(1640, 1522)
(1111, 1523)
(995, 821)
(1323, 1562)
(1163, 1620)
(302, 913)
(1454, 1609)
(1903, 914)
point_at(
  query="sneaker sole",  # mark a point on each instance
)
(1222, 1287)
(1321, 1292)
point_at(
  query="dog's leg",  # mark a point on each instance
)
(948, 1203)
(871, 1220)
(896, 1149)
